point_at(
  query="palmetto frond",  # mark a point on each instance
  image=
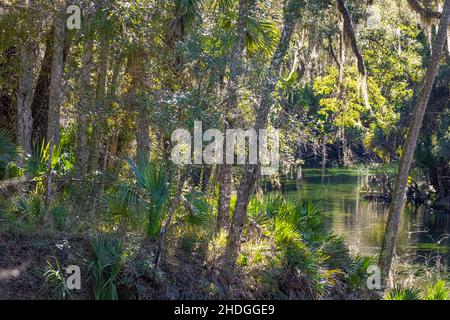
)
(261, 35)
(151, 182)
(8, 149)
(399, 293)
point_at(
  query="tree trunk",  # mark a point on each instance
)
(236, 61)
(248, 181)
(85, 106)
(165, 228)
(142, 138)
(86, 99)
(25, 96)
(112, 153)
(391, 233)
(112, 97)
(56, 89)
(324, 156)
(349, 32)
(225, 188)
(39, 106)
(100, 100)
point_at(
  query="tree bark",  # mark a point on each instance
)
(391, 233)
(142, 138)
(422, 11)
(100, 100)
(39, 106)
(56, 89)
(247, 185)
(25, 96)
(112, 97)
(85, 106)
(86, 98)
(162, 234)
(349, 32)
(236, 61)
(324, 155)
(225, 189)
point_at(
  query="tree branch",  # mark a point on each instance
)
(350, 34)
(424, 12)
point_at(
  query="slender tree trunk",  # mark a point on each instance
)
(25, 96)
(349, 32)
(48, 190)
(142, 138)
(236, 61)
(324, 156)
(225, 188)
(86, 99)
(85, 106)
(249, 178)
(56, 89)
(140, 83)
(165, 228)
(391, 233)
(112, 154)
(100, 100)
(112, 97)
(341, 58)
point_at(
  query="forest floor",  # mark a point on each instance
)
(185, 272)
(24, 258)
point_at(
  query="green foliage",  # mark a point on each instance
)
(199, 210)
(36, 164)
(55, 282)
(256, 211)
(59, 216)
(171, 61)
(399, 293)
(153, 181)
(350, 110)
(433, 148)
(310, 220)
(300, 234)
(274, 205)
(105, 266)
(262, 35)
(8, 151)
(148, 194)
(28, 209)
(293, 252)
(356, 271)
(438, 291)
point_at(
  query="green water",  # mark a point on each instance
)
(422, 236)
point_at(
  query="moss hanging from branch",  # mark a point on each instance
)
(427, 16)
(351, 38)
(425, 13)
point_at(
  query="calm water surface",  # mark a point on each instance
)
(424, 237)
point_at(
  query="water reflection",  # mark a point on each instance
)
(422, 235)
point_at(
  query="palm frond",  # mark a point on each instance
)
(400, 293)
(8, 149)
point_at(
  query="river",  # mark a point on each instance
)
(423, 236)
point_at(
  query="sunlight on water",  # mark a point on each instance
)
(423, 236)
